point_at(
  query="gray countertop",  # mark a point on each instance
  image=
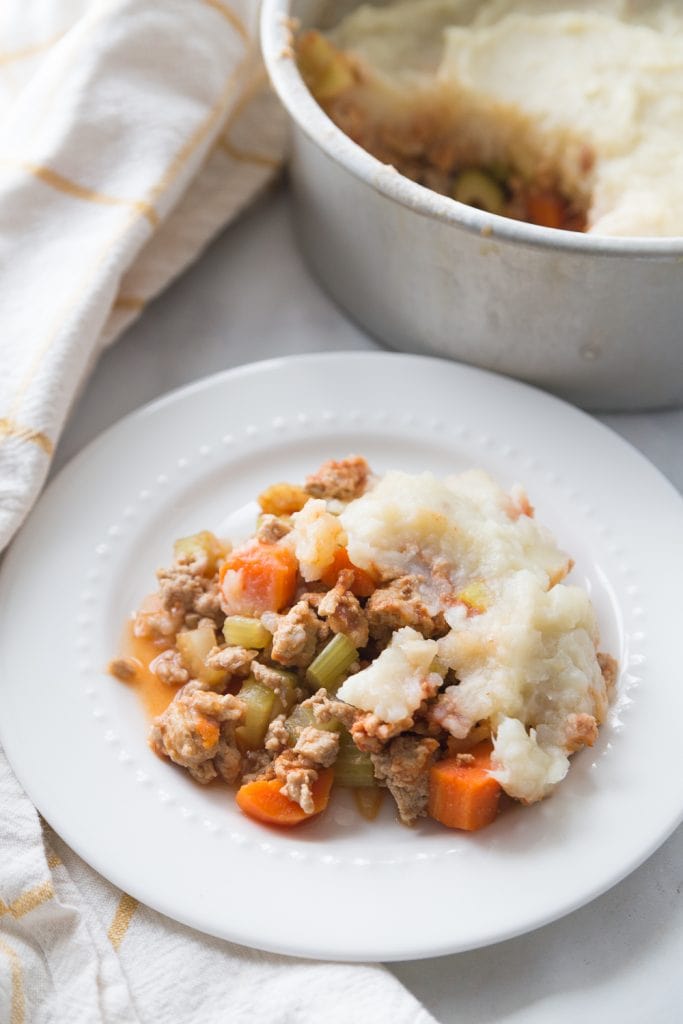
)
(249, 298)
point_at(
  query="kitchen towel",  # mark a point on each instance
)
(130, 133)
(76, 950)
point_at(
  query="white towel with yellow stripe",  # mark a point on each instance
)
(131, 131)
(75, 950)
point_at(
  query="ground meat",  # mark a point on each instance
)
(179, 587)
(296, 636)
(228, 760)
(298, 775)
(582, 731)
(272, 529)
(196, 730)
(168, 668)
(257, 764)
(344, 479)
(318, 745)
(342, 611)
(445, 713)
(404, 768)
(125, 669)
(236, 661)
(423, 721)
(400, 604)
(297, 768)
(189, 595)
(158, 623)
(326, 709)
(276, 680)
(609, 667)
(312, 597)
(209, 603)
(277, 737)
(370, 733)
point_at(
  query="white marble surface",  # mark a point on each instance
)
(616, 961)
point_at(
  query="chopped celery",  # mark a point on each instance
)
(475, 597)
(242, 631)
(301, 717)
(298, 720)
(332, 664)
(200, 547)
(290, 682)
(194, 645)
(352, 768)
(476, 188)
(259, 703)
(368, 800)
(325, 70)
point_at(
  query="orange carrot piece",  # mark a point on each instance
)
(546, 209)
(463, 795)
(363, 582)
(257, 578)
(263, 800)
(208, 730)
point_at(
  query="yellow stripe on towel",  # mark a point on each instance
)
(29, 51)
(9, 428)
(232, 16)
(122, 918)
(90, 195)
(17, 1013)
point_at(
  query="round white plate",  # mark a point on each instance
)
(339, 887)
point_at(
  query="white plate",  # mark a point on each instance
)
(339, 887)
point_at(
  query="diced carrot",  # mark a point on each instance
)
(208, 730)
(363, 582)
(463, 795)
(546, 209)
(263, 800)
(258, 578)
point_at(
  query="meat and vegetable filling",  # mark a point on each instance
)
(400, 633)
(422, 137)
(563, 113)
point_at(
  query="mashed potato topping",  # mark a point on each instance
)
(315, 537)
(524, 658)
(393, 686)
(465, 527)
(591, 93)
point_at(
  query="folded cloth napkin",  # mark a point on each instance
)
(130, 133)
(75, 950)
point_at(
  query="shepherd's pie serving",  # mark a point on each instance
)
(401, 632)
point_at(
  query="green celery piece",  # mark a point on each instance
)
(242, 631)
(290, 682)
(260, 704)
(479, 189)
(194, 646)
(332, 664)
(302, 717)
(353, 768)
